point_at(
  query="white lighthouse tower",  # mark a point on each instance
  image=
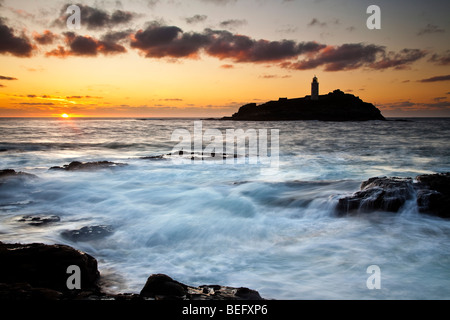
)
(315, 89)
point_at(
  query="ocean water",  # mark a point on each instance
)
(233, 223)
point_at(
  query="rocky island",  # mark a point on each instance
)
(334, 106)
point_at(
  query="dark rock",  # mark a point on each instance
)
(88, 233)
(378, 194)
(44, 266)
(39, 272)
(334, 106)
(163, 285)
(23, 291)
(89, 166)
(432, 194)
(39, 220)
(248, 294)
(9, 174)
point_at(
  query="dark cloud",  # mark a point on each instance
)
(47, 37)
(399, 60)
(316, 23)
(441, 59)
(17, 46)
(233, 23)
(357, 55)
(7, 78)
(429, 29)
(95, 18)
(37, 103)
(239, 48)
(436, 79)
(159, 41)
(196, 19)
(86, 46)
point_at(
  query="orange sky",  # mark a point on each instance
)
(207, 58)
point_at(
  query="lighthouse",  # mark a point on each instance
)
(315, 89)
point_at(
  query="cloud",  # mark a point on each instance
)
(196, 19)
(436, 79)
(274, 76)
(240, 48)
(227, 66)
(398, 60)
(88, 46)
(94, 18)
(17, 46)
(357, 55)
(158, 41)
(233, 23)
(429, 29)
(37, 103)
(220, 2)
(317, 23)
(441, 59)
(417, 106)
(7, 78)
(47, 37)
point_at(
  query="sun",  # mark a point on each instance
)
(65, 115)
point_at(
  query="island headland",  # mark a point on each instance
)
(334, 106)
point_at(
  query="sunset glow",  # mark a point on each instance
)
(207, 58)
(65, 115)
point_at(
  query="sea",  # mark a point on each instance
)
(271, 228)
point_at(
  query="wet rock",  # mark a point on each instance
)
(89, 166)
(88, 233)
(163, 286)
(433, 195)
(378, 194)
(431, 192)
(248, 294)
(39, 269)
(10, 174)
(39, 220)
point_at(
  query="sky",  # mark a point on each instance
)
(206, 58)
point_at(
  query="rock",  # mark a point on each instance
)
(248, 294)
(39, 272)
(88, 166)
(44, 266)
(23, 291)
(432, 194)
(163, 285)
(378, 194)
(10, 174)
(334, 106)
(39, 220)
(88, 233)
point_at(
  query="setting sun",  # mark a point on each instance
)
(65, 115)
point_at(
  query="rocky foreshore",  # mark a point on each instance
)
(40, 272)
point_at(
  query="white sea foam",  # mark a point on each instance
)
(228, 224)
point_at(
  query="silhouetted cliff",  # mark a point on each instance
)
(334, 106)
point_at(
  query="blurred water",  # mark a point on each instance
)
(230, 224)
